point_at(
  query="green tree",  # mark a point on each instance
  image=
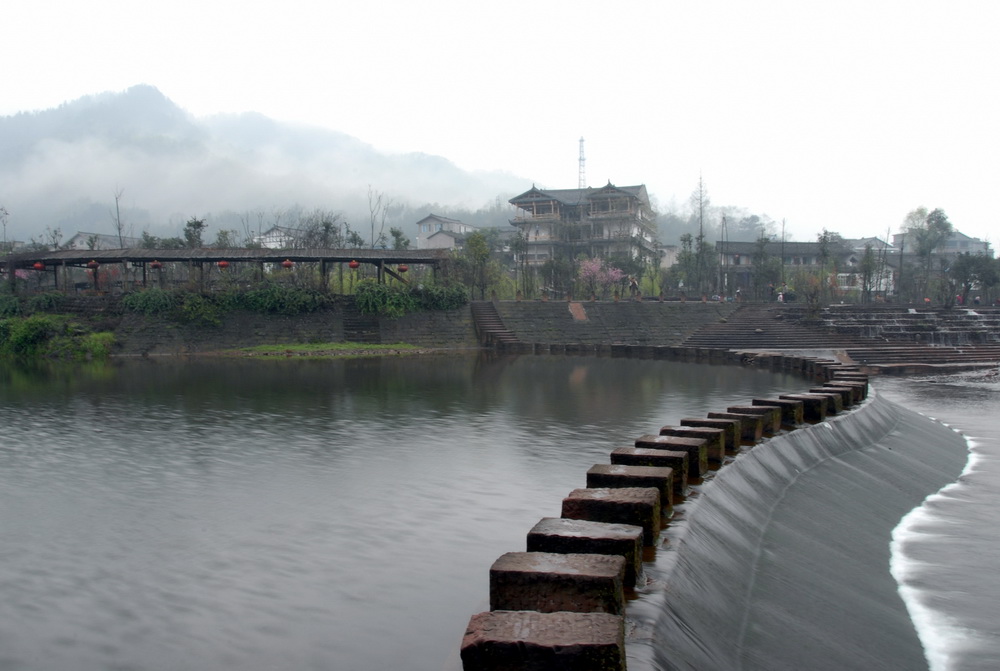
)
(399, 241)
(973, 271)
(477, 253)
(924, 237)
(868, 268)
(193, 230)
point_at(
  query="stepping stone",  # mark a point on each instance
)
(792, 412)
(504, 640)
(639, 506)
(550, 582)
(566, 536)
(621, 475)
(731, 428)
(715, 438)
(697, 449)
(642, 456)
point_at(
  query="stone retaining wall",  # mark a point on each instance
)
(559, 605)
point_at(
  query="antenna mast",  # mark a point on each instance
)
(583, 173)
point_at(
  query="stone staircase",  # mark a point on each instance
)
(489, 326)
(359, 327)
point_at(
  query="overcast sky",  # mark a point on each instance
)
(836, 115)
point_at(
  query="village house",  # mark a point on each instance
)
(96, 241)
(437, 232)
(610, 221)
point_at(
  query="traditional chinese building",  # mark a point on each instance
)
(611, 221)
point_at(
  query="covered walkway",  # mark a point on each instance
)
(387, 262)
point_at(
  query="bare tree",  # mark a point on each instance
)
(116, 218)
(378, 210)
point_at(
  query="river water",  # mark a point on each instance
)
(297, 514)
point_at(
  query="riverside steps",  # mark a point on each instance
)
(582, 561)
(697, 449)
(550, 582)
(715, 438)
(569, 536)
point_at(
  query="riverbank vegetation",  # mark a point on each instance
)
(52, 337)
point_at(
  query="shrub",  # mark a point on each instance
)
(442, 298)
(9, 305)
(199, 310)
(49, 301)
(381, 299)
(276, 299)
(24, 337)
(150, 301)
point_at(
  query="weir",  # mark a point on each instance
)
(784, 562)
(527, 641)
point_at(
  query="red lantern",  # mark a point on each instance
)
(38, 265)
(353, 265)
(402, 267)
(155, 265)
(93, 265)
(287, 263)
(223, 264)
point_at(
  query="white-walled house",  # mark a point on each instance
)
(437, 232)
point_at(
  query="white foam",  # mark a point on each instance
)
(940, 635)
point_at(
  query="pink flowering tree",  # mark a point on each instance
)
(598, 278)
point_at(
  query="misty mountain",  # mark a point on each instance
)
(62, 167)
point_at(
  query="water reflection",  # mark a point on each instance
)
(258, 514)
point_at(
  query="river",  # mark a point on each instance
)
(256, 514)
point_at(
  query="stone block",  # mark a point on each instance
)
(769, 414)
(715, 438)
(792, 412)
(566, 536)
(642, 456)
(834, 401)
(813, 406)
(639, 506)
(857, 389)
(530, 641)
(697, 449)
(844, 393)
(550, 582)
(731, 428)
(620, 475)
(752, 425)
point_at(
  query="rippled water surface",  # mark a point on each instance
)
(233, 514)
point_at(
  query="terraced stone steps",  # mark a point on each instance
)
(489, 325)
(769, 326)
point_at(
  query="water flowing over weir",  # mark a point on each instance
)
(784, 559)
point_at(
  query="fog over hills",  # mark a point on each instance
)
(61, 169)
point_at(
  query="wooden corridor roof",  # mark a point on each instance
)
(80, 257)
